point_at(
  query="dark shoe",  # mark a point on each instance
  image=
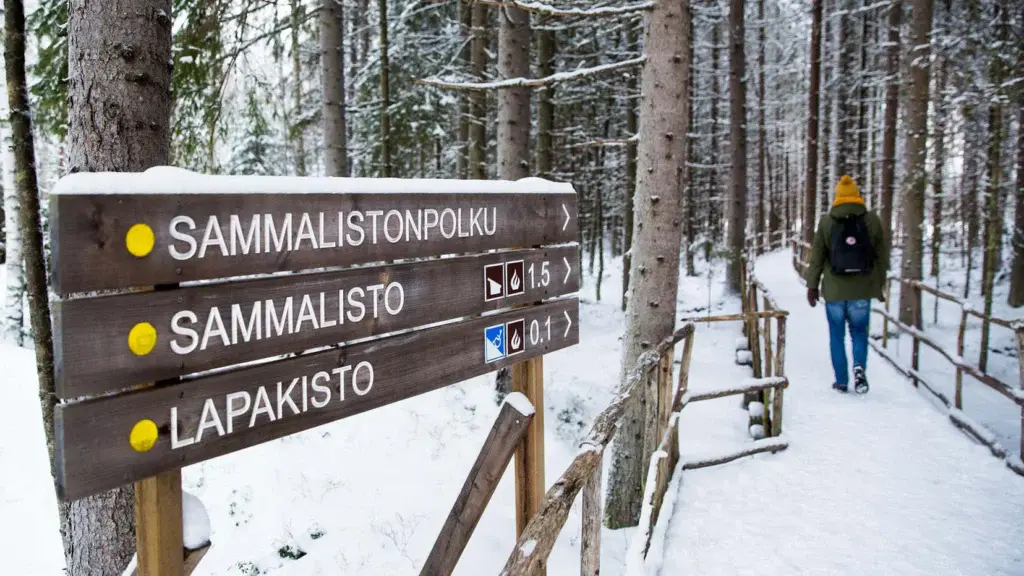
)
(839, 387)
(860, 381)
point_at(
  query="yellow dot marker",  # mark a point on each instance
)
(142, 338)
(143, 436)
(140, 240)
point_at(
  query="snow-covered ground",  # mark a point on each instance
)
(881, 484)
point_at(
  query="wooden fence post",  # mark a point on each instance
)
(885, 319)
(159, 539)
(958, 399)
(768, 369)
(528, 378)
(590, 551)
(508, 430)
(780, 370)
(917, 324)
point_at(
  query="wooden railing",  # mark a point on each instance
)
(584, 472)
(918, 336)
(801, 252)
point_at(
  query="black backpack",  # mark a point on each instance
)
(851, 251)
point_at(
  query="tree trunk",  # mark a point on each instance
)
(1016, 296)
(691, 195)
(862, 105)
(14, 332)
(332, 62)
(892, 101)
(808, 221)
(940, 162)
(825, 142)
(912, 199)
(994, 200)
(846, 140)
(716, 204)
(514, 103)
(466, 27)
(478, 98)
(385, 92)
(631, 128)
(545, 104)
(738, 143)
(119, 121)
(297, 129)
(650, 316)
(762, 163)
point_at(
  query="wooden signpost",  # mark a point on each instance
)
(256, 328)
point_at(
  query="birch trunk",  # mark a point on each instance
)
(737, 143)
(912, 199)
(332, 62)
(13, 318)
(650, 314)
(119, 117)
(892, 102)
(808, 220)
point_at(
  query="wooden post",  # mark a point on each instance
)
(528, 378)
(508, 430)
(768, 370)
(917, 344)
(590, 552)
(664, 392)
(158, 526)
(684, 373)
(958, 399)
(885, 319)
(780, 370)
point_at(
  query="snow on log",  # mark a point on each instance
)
(744, 357)
(195, 522)
(756, 431)
(642, 537)
(748, 385)
(742, 344)
(521, 403)
(910, 373)
(533, 82)
(977, 431)
(772, 445)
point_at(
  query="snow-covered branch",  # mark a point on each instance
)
(533, 82)
(546, 10)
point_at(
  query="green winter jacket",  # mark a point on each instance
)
(853, 287)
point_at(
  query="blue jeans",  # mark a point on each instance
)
(856, 313)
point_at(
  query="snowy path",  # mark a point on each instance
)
(880, 484)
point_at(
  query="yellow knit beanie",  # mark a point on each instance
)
(847, 192)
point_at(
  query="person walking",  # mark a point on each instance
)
(850, 259)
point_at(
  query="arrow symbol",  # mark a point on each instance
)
(568, 269)
(569, 325)
(566, 210)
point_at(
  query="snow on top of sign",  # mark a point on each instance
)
(521, 403)
(171, 180)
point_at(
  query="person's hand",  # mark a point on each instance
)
(881, 297)
(812, 297)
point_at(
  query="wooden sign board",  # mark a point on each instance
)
(113, 231)
(107, 442)
(150, 336)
